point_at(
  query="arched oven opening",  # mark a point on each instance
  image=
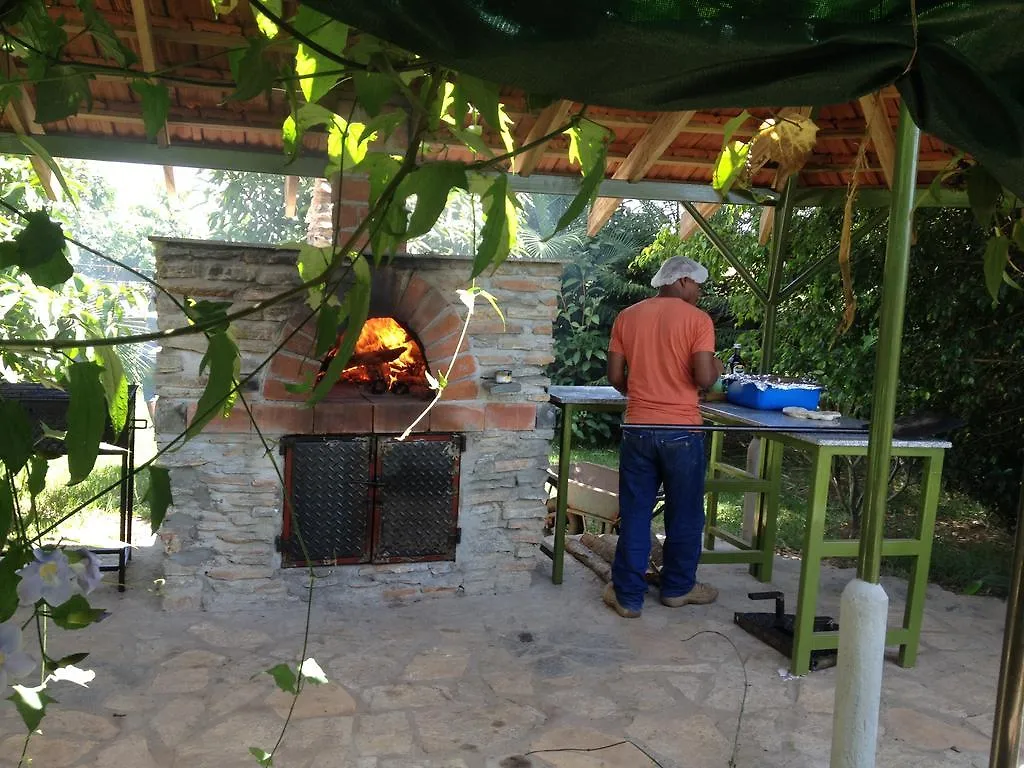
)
(388, 358)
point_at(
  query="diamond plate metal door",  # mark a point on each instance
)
(330, 485)
(417, 491)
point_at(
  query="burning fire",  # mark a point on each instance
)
(385, 352)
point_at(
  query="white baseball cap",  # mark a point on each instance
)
(678, 267)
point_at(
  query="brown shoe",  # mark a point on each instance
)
(612, 601)
(701, 594)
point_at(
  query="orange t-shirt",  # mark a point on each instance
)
(658, 338)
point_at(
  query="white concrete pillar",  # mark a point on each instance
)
(863, 613)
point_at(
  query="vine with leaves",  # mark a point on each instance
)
(381, 108)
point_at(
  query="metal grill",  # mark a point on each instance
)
(371, 499)
(417, 499)
(330, 493)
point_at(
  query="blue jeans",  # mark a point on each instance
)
(649, 458)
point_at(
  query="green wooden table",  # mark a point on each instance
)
(822, 448)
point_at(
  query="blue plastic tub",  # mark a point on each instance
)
(773, 398)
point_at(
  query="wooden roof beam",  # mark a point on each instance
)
(147, 50)
(552, 116)
(644, 154)
(291, 195)
(880, 133)
(688, 225)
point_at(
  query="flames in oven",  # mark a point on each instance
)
(386, 357)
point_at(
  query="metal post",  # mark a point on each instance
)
(890, 332)
(775, 265)
(561, 509)
(1006, 723)
(726, 252)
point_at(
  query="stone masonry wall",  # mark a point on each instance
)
(219, 535)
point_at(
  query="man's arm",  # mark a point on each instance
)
(617, 371)
(706, 369)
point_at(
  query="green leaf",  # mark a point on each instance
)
(1018, 235)
(266, 760)
(9, 564)
(983, 192)
(997, 255)
(36, 482)
(431, 183)
(224, 361)
(592, 179)
(307, 116)
(484, 96)
(158, 495)
(729, 167)
(318, 72)
(347, 144)
(493, 302)
(310, 670)
(87, 414)
(496, 236)
(253, 72)
(60, 91)
(6, 512)
(66, 661)
(373, 91)
(31, 704)
(115, 386)
(16, 437)
(156, 104)
(267, 25)
(381, 168)
(212, 315)
(76, 613)
(1011, 282)
(284, 676)
(313, 262)
(357, 301)
(327, 322)
(39, 251)
(104, 34)
(732, 126)
(40, 151)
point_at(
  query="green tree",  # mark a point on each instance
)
(250, 207)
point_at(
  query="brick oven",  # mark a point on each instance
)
(457, 508)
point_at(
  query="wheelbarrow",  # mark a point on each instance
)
(593, 497)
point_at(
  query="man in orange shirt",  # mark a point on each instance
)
(662, 351)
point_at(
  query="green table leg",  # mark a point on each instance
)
(810, 563)
(711, 516)
(565, 447)
(768, 523)
(917, 584)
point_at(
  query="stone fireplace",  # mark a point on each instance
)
(481, 451)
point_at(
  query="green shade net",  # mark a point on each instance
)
(964, 84)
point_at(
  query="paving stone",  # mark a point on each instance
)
(330, 700)
(189, 680)
(581, 703)
(695, 740)
(406, 696)
(437, 664)
(384, 734)
(621, 756)
(927, 732)
(474, 729)
(229, 637)
(509, 683)
(195, 658)
(45, 750)
(83, 724)
(174, 723)
(132, 750)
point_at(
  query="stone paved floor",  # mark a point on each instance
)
(481, 682)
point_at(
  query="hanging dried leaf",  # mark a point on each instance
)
(787, 140)
(845, 242)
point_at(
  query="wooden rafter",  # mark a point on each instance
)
(644, 154)
(22, 116)
(291, 195)
(768, 213)
(688, 225)
(552, 116)
(880, 133)
(147, 51)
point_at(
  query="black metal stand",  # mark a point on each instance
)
(776, 629)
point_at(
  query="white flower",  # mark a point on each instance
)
(86, 566)
(49, 578)
(14, 662)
